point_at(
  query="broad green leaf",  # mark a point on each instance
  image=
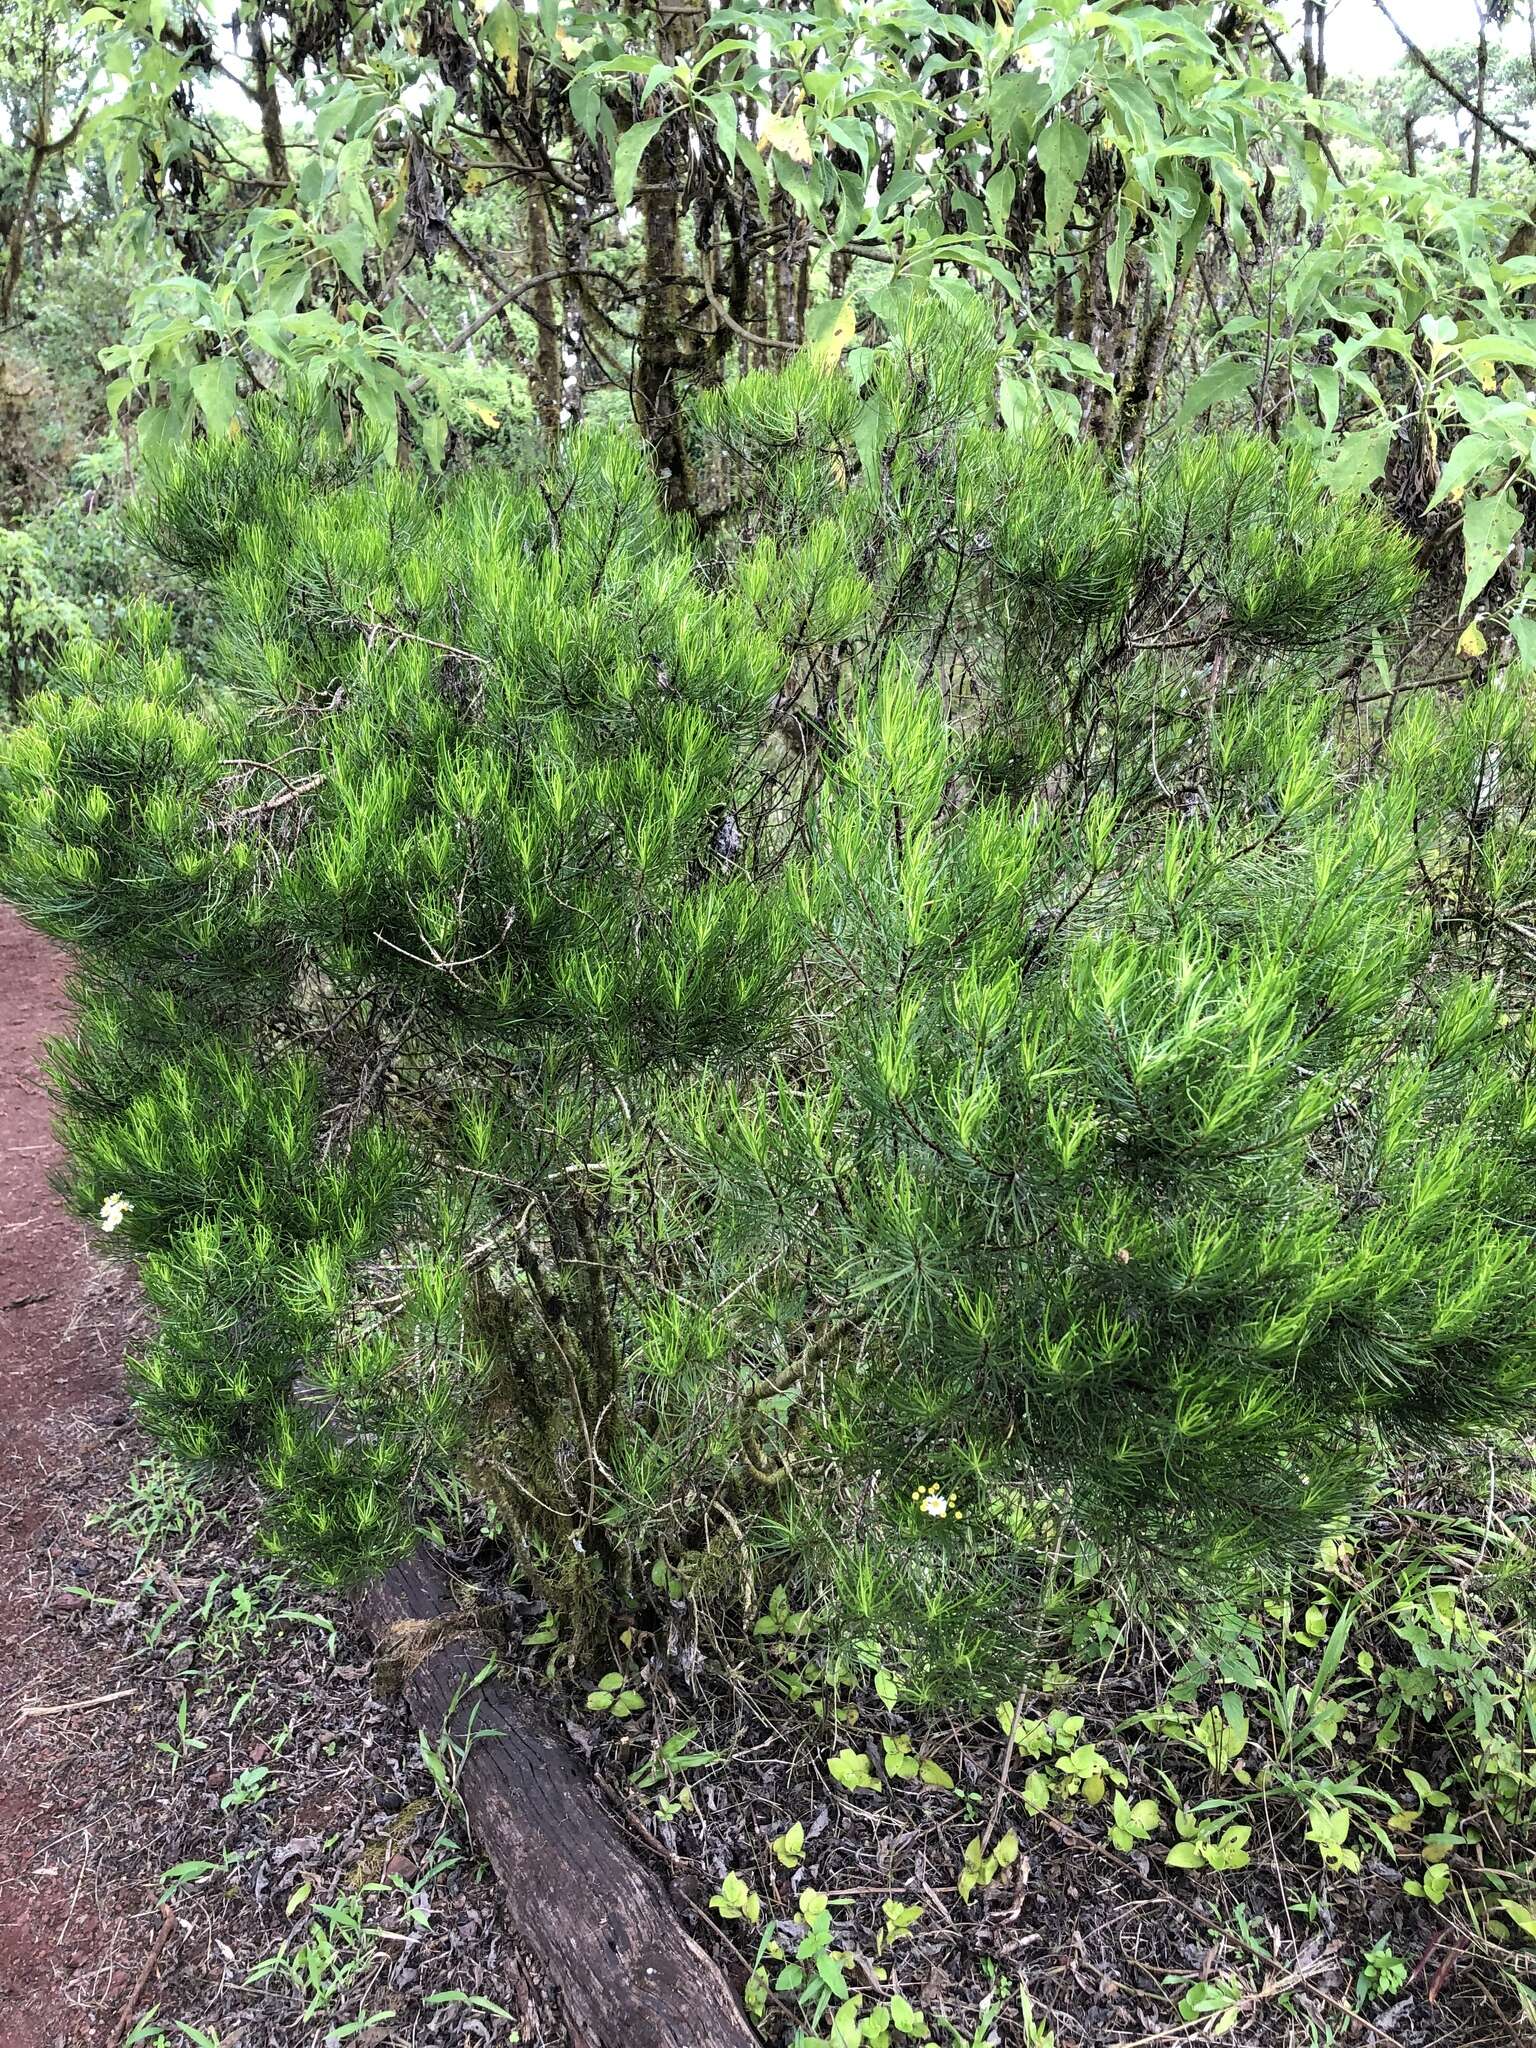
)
(1063, 153)
(1473, 458)
(1488, 528)
(434, 438)
(723, 108)
(1359, 461)
(1017, 101)
(1498, 348)
(214, 386)
(1218, 385)
(626, 158)
(1324, 380)
(347, 248)
(998, 199)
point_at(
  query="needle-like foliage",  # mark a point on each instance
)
(965, 987)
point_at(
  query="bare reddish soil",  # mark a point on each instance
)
(60, 1393)
(121, 1624)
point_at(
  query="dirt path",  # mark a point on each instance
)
(60, 1393)
(203, 1719)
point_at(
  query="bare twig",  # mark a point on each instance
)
(499, 306)
(102, 1699)
(156, 1949)
(289, 795)
(1431, 70)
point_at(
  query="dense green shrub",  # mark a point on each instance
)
(961, 995)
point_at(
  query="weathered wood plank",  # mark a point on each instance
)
(630, 1974)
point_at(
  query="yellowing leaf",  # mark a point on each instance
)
(836, 334)
(786, 132)
(1472, 642)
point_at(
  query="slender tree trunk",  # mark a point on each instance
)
(575, 242)
(1314, 60)
(661, 354)
(1476, 176)
(792, 275)
(264, 93)
(15, 254)
(1146, 381)
(658, 354)
(755, 357)
(546, 366)
(37, 156)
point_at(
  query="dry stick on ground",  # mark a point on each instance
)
(630, 1975)
(101, 1699)
(131, 2006)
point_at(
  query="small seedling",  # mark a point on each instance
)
(612, 1696)
(736, 1900)
(981, 1867)
(1382, 1973)
(899, 1922)
(1220, 2002)
(1200, 1847)
(789, 1848)
(851, 1769)
(1134, 1822)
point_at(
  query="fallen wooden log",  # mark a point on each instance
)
(603, 1925)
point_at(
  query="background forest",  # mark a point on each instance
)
(831, 757)
(474, 227)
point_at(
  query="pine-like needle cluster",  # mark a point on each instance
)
(961, 996)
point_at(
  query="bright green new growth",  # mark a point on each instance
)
(945, 995)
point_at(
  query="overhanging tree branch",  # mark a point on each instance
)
(1432, 70)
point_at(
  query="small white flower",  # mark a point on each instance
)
(113, 1210)
(935, 1504)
